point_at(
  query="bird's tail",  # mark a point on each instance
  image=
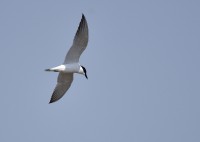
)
(51, 70)
(47, 69)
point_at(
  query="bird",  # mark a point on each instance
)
(71, 63)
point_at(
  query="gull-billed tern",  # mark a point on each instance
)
(71, 64)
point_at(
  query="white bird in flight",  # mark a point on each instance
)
(71, 64)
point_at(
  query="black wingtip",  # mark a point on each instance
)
(51, 101)
(47, 70)
(83, 16)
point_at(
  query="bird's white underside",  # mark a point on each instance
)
(68, 68)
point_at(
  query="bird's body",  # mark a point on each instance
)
(71, 63)
(67, 68)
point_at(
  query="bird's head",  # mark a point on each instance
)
(84, 71)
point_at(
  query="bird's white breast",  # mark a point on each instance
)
(72, 68)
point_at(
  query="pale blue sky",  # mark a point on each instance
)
(143, 67)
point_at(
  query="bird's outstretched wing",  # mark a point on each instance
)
(63, 83)
(79, 44)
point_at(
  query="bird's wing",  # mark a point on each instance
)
(79, 44)
(63, 83)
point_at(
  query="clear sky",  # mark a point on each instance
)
(143, 64)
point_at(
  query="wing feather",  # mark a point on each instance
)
(79, 44)
(63, 83)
